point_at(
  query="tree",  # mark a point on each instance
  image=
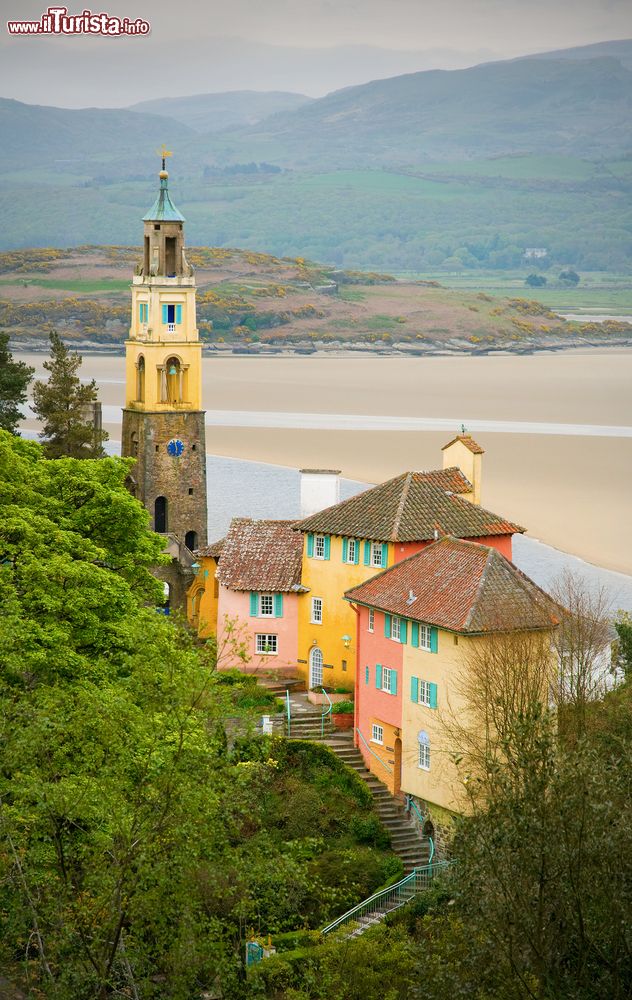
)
(535, 280)
(15, 377)
(569, 278)
(65, 407)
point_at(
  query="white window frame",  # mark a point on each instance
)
(423, 756)
(396, 628)
(268, 598)
(316, 611)
(376, 555)
(423, 692)
(371, 627)
(377, 734)
(352, 550)
(424, 637)
(266, 636)
(386, 679)
(319, 546)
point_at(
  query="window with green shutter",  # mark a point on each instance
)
(433, 695)
(403, 631)
(414, 634)
(278, 605)
(254, 604)
(387, 626)
(434, 640)
(367, 553)
(378, 675)
(327, 547)
(414, 689)
(310, 546)
(178, 314)
(345, 549)
(384, 555)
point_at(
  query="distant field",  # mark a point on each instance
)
(69, 286)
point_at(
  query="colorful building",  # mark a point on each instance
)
(417, 624)
(349, 542)
(247, 592)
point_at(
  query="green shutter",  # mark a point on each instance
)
(140, 312)
(434, 640)
(357, 552)
(414, 634)
(345, 549)
(387, 626)
(433, 695)
(403, 631)
(278, 605)
(414, 689)
(384, 555)
(378, 675)
(165, 314)
(310, 545)
(366, 675)
(254, 604)
(327, 546)
(393, 682)
(367, 553)
(178, 314)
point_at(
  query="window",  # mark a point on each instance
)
(266, 644)
(317, 611)
(424, 637)
(143, 312)
(266, 606)
(319, 547)
(352, 550)
(423, 759)
(386, 679)
(396, 629)
(377, 734)
(376, 554)
(424, 693)
(344, 664)
(371, 620)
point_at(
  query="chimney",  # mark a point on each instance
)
(320, 488)
(467, 455)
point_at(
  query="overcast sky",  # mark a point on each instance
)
(196, 47)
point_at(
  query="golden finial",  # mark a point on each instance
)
(163, 152)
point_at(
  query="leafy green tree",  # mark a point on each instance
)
(15, 377)
(64, 406)
(623, 627)
(535, 280)
(569, 278)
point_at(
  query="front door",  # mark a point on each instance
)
(315, 668)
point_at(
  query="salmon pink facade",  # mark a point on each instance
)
(271, 639)
(502, 544)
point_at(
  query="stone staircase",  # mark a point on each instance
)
(406, 841)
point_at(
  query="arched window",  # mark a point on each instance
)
(190, 540)
(315, 667)
(140, 379)
(160, 515)
(173, 372)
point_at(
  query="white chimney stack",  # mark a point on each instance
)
(320, 488)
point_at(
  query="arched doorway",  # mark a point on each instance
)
(191, 540)
(160, 515)
(397, 766)
(174, 380)
(315, 668)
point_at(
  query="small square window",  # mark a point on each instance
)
(424, 636)
(193, 447)
(386, 679)
(423, 759)
(157, 447)
(352, 550)
(266, 645)
(377, 734)
(266, 605)
(371, 620)
(396, 629)
(317, 611)
(344, 664)
(319, 547)
(424, 693)
(376, 555)
(190, 491)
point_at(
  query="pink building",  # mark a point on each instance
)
(259, 577)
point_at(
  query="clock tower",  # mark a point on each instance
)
(163, 420)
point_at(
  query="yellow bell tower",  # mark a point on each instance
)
(163, 420)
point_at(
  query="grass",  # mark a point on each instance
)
(104, 285)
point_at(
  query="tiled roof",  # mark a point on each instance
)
(407, 509)
(468, 441)
(451, 480)
(261, 555)
(212, 551)
(460, 586)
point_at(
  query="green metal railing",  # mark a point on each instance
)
(414, 808)
(288, 711)
(386, 766)
(327, 712)
(391, 898)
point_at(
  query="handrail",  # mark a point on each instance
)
(288, 711)
(392, 897)
(412, 805)
(324, 714)
(386, 766)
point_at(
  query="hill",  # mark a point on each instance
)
(256, 303)
(619, 48)
(214, 112)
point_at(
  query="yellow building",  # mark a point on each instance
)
(352, 540)
(203, 594)
(418, 625)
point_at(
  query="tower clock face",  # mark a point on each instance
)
(175, 447)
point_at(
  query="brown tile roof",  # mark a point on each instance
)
(212, 551)
(460, 586)
(261, 555)
(468, 441)
(407, 509)
(451, 480)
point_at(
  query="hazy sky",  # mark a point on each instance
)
(195, 47)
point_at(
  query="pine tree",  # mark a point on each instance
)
(14, 380)
(64, 406)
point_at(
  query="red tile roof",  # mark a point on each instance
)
(460, 586)
(468, 441)
(451, 480)
(261, 555)
(408, 509)
(212, 551)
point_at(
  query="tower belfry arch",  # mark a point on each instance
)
(163, 420)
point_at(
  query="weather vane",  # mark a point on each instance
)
(164, 153)
(463, 427)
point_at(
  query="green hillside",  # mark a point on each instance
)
(214, 112)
